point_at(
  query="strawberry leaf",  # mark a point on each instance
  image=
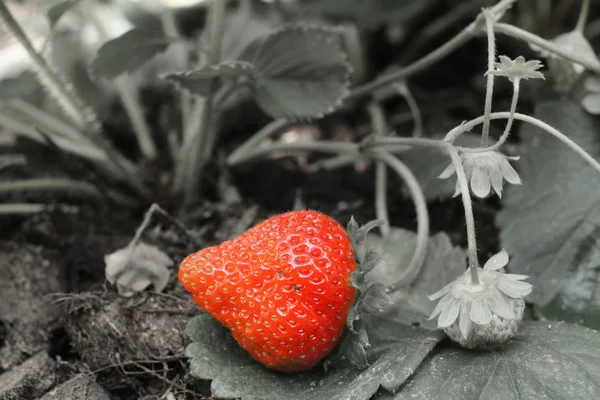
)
(129, 52)
(302, 72)
(394, 356)
(551, 229)
(443, 263)
(547, 360)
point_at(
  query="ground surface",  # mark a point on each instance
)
(62, 324)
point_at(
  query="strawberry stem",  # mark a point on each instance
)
(413, 269)
(470, 220)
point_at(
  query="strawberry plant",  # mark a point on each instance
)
(307, 305)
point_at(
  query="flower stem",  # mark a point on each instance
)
(423, 63)
(469, 219)
(509, 122)
(489, 92)
(583, 16)
(519, 33)
(533, 121)
(381, 209)
(413, 269)
(70, 103)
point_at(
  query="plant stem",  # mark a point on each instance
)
(71, 104)
(321, 146)
(469, 219)
(533, 121)
(127, 92)
(402, 89)
(423, 63)
(194, 161)
(413, 269)
(21, 208)
(489, 92)
(169, 25)
(583, 16)
(518, 33)
(509, 122)
(381, 209)
(269, 130)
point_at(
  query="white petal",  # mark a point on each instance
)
(516, 277)
(496, 178)
(480, 312)
(441, 292)
(480, 183)
(457, 190)
(501, 306)
(464, 321)
(449, 315)
(514, 289)
(509, 173)
(443, 303)
(447, 173)
(497, 261)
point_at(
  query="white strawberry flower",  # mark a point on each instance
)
(483, 314)
(486, 170)
(517, 69)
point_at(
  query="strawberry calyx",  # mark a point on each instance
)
(371, 297)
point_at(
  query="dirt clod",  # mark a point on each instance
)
(31, 379)
(79, 387)
(109, 330)
(26, 318)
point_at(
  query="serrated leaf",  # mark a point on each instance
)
(197, 81)
(301, 72)
(394, 358)
(547, 360)
(443, 264)
(375, 299)
(547, 224)
(56, 11)
(129, 52)
(428, 163)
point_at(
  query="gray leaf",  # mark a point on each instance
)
(554, 361)
(443, 263)
(129, 52)
(551, 226)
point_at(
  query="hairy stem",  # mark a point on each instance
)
(509, 122)
(489, 92)
(381, 208)
(70, 103)
(533, 121)
(413, 269)
(583, 16)
(519, 33)
(469, 219)
(423, 63)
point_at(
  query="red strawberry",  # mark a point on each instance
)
(283, 287)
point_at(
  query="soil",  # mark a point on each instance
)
(63, 327)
